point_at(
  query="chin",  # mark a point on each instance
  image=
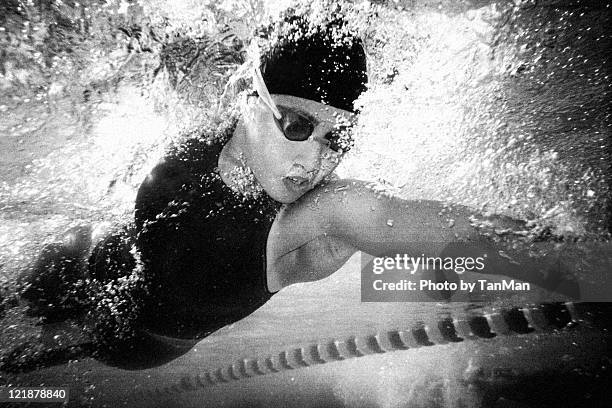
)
(283, 195)
(287, 198)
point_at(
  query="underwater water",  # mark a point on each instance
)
(504, 106)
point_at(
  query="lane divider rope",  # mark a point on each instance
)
(509, 322)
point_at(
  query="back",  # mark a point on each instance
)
(202, 244)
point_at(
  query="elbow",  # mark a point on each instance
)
(281, 273)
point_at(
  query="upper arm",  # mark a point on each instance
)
(360, 217)
(378, 223)
(370, 220)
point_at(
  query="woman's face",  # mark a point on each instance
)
(287, 169)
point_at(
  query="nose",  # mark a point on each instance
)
(310, 151)
(323, 135)
(330, 140)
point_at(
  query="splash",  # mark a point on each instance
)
(500, 106)
(451, 109)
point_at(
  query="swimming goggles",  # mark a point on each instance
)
(298, 127)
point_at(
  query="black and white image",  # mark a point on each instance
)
(251, 203)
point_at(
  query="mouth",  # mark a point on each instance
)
(297, 183)
(299, 179)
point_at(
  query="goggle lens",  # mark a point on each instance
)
(298, 128)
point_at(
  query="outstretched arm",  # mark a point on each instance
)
(356, 215)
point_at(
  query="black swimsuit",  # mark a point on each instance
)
(202, 244)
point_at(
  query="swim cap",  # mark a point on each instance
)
(324, 62)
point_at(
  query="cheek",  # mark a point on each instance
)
(330, 160)
(258, 153)
(267, 164)
(268, 171)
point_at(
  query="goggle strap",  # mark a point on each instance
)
(262, 90)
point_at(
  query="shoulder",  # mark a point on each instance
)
(174, 177)
(321, 210)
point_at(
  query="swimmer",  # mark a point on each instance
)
(220, 227)
(203, 214)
